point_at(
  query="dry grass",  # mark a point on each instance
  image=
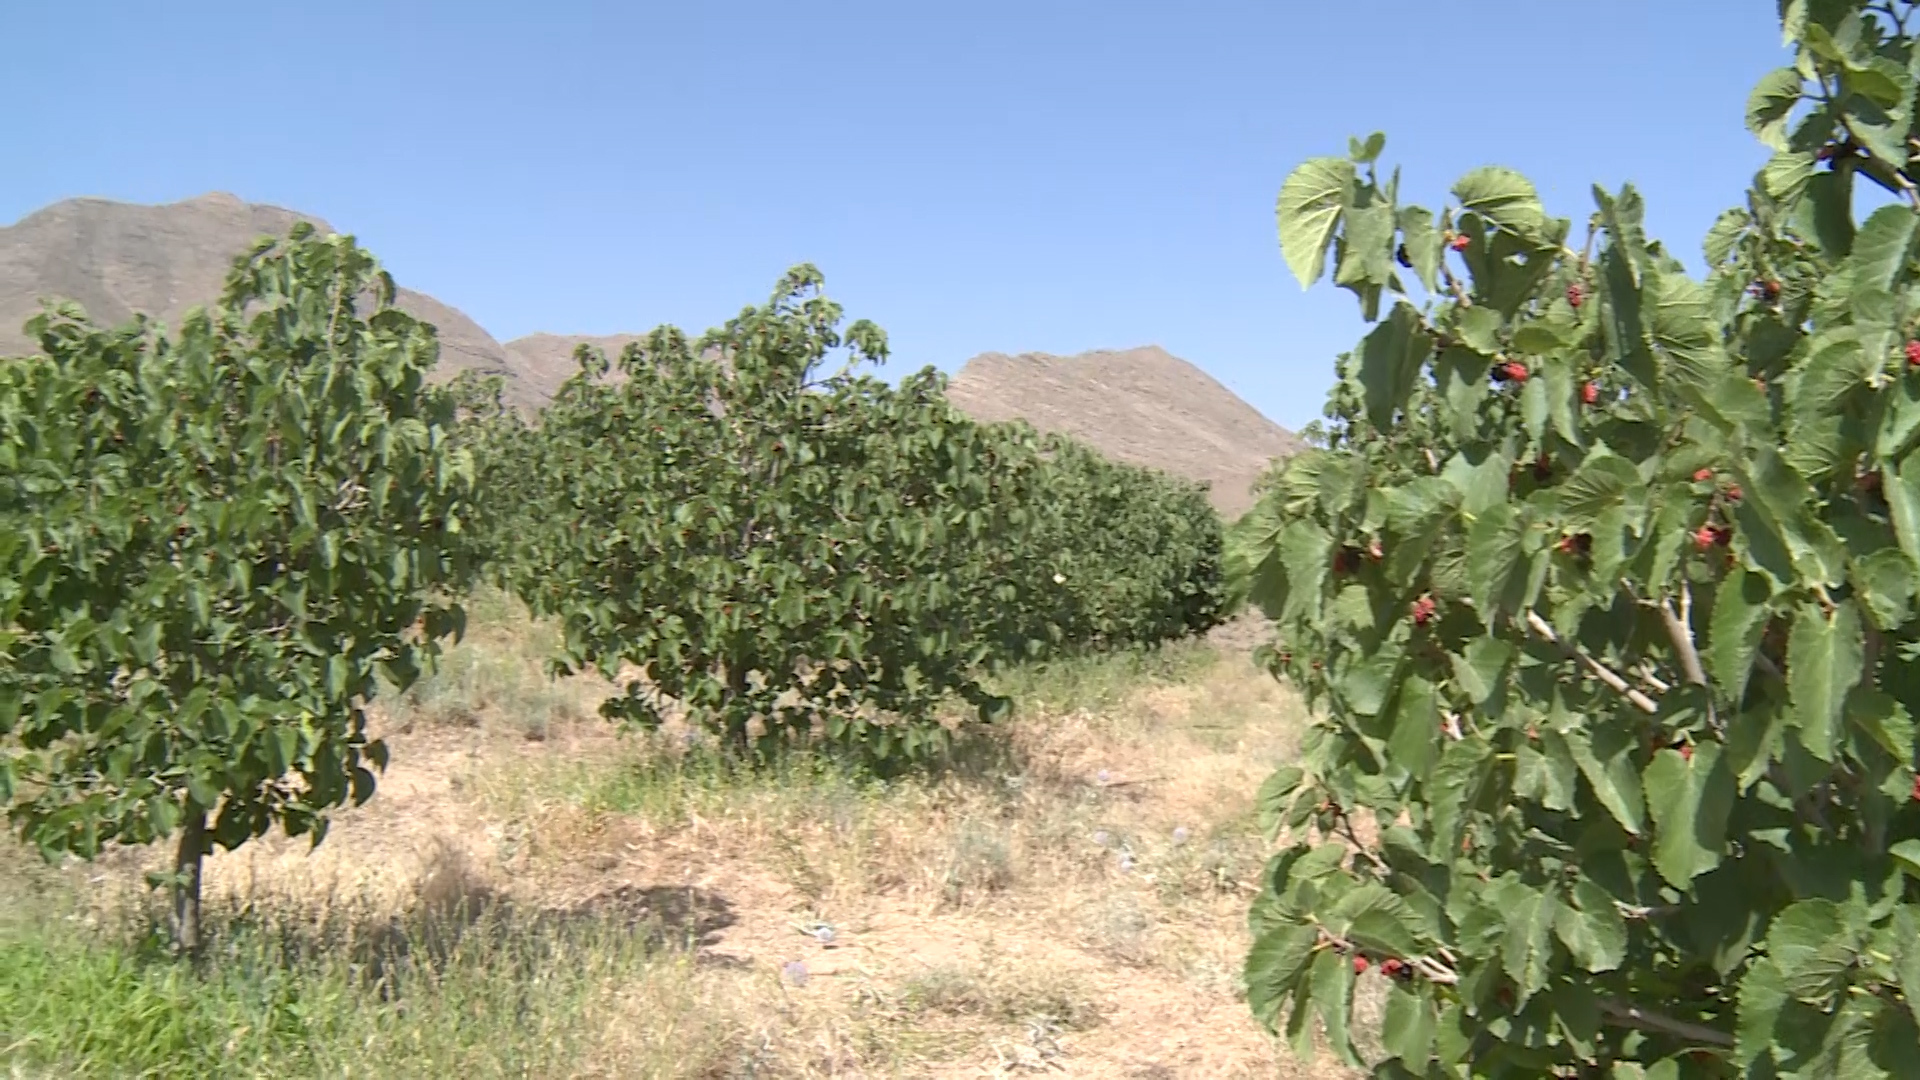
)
(1072, 899)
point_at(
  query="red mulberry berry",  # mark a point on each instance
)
(1590, 393)
(1703, 474)
(1576, 295)
(1913, 353)
(1514, 370)
(1460, 242)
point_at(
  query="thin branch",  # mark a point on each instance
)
(1345, 826)
(1647, 676)
(1600, 671)
(1425, 966)
(1680, 631)
(1627, 1015)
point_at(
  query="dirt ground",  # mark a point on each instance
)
(1075, 907)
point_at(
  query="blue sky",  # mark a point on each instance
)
(1041, 175)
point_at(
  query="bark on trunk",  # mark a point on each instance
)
(187, 860)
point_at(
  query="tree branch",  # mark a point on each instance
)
(1600, 671)
(1627, 1015)
(1680, 630)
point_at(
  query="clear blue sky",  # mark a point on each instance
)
(1023, 176)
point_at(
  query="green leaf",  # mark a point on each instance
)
(1739, 621)
(1824, 657)
(1275, 795)
(1763, 993)
(1367, 245)
(1506, 200)
(1390, 362)
(1606, 760)
(1882, 248)
(1479, 328)
(1884, 582)
(1906, 854)
(1407, 1027)
(1592, 928)
(1770, 103)
(1604, 482)
(1690, 801)
(1786, 176)
(1415, 740)
(1547, 776)
(1478, 673)
(1902, 489)
(1274, 965)
(1312, 201)
(1423, 243)
(1526, 952)
(1332, 979)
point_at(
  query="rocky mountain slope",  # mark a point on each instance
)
(118, 258)
(1140, 405)
(1143, 406)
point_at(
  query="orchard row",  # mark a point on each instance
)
(217, 545)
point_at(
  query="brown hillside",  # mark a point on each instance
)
(118, 258)
(546, 360)
(1143, 406)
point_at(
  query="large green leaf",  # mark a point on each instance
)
(1770, 103)
(1506, 200)
(1690, 800)
(1527, 951)
(1390, 362)
(1592, 928)
(1408, 1026)
(1312, 201)
(1740, 612)
(1274, 964)
(1415, 741)
(1882, 248)
(1824, 657)
(1606, 760)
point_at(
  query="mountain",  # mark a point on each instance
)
(1138, 405)
(118, 258)
(1144, 406)
(546, 360)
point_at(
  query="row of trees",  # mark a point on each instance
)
(1604, 581)
(216, 544)
(794, 553)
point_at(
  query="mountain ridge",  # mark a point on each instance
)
(1141, 405)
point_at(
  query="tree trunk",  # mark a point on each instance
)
(187, 860)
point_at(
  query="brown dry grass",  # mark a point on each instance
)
(1071, 902)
